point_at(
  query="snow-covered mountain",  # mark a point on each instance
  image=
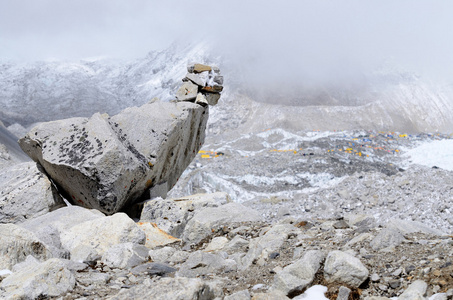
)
(44, 91)
(384, 100)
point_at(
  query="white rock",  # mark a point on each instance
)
(415, 291)
(271, 241)
(387, 237)
(343, 267)
(216, 244)
(205, 221)
(172, 215)
(125, 255)
(406, 226)
(16, 243)
(102, 233)
(241, 295)
(200, 263)
(49, 227)
(107, 162)
(156, 237)
(25, 193)
(50, 278)
(300, 274)
(169, 288)
(201, 99)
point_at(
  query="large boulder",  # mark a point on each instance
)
(107, 162)
(25, 193)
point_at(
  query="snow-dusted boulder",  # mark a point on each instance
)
(107, 162)
(25, 193)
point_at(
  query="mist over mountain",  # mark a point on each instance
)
(387, 98)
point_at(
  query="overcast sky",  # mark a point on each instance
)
(318, 36)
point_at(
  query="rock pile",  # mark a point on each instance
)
(202, 84)
(74, 252)
(108, 162)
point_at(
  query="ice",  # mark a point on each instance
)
(435, 153)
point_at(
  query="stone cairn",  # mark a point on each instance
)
(202, 85)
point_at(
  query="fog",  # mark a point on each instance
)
(269, 41)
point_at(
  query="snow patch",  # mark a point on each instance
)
(435, 153)
(315, 292)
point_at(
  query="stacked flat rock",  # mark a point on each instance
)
(202, 85)
(109, 162)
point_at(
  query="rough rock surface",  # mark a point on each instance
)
(106, 162)
(207, 220)
(25, 193)
(100, 234)
(345, 268)
(172, 215)
(17, 243)
(169, 288)
(50, 278)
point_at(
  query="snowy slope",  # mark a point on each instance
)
(45, 91)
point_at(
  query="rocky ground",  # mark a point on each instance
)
(359, 221)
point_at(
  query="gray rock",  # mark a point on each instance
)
(169, 288)
(153, 268)
(92, 278)
(201, 263)
(199, 79)
(271, 295)
(406, 227)
(216, 244)
(107, 162)
(415, 291)
(241, 295)
(271, 241)
(102, 233)
(208, 220)
(439, 296)
(388, 237)
(235, 245)
(162, 254)
(50, 278)
(343, 293)
(49, 226)
(16, 243)
(300, 274)
(25, 193)
(188, 91)
(125, 255)
(218, 79)
(172, 215)
(343, 267)
(212, 98)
